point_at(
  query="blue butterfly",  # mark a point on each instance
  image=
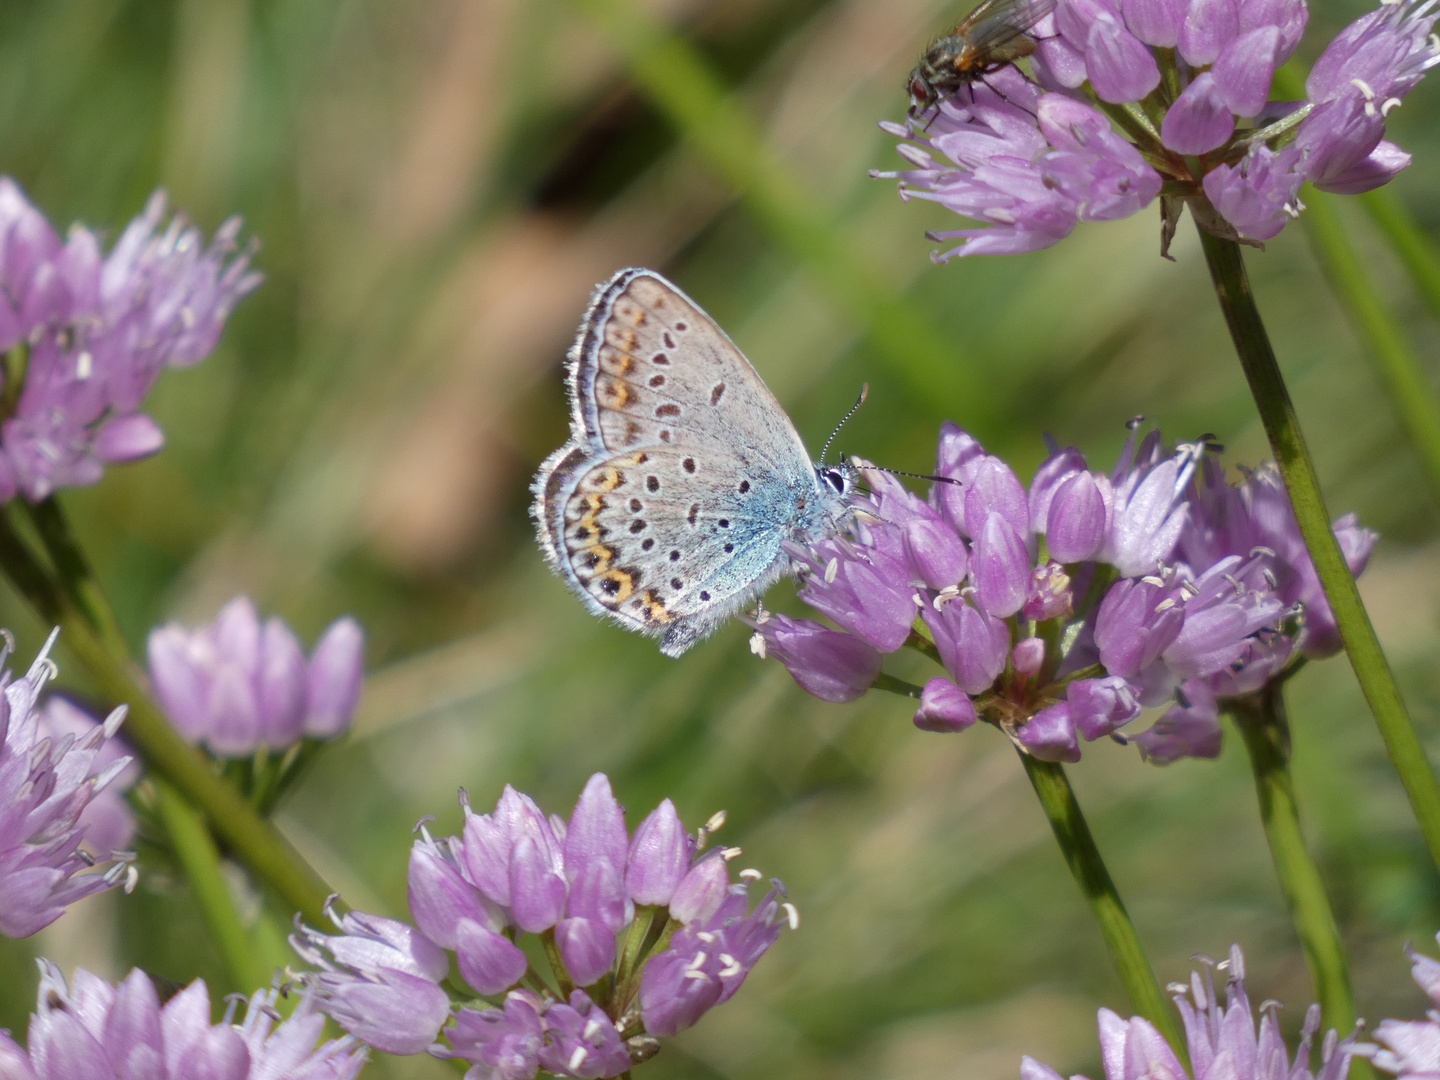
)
(683, 477)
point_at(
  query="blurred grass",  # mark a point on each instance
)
(437, 186)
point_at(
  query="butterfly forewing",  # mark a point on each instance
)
(657, 369)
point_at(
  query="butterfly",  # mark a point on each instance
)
(987, 39)
(669, 508)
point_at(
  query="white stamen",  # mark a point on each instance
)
(792, 915)
(1165, 605)
(831, 569)
(591, 1029)
(697, 963)
(578, 1058)
(757, 644)
(114, 720)
(729, 853)
(706, 936)
(732, 966)
(717, 819)
(1390, 103)
(694, 975)
(1151, 579)
(750, 874)
(84, 365)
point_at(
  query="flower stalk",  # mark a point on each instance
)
(1262, 723)
(1282, 427)
(198, 856)
(254, 841)
(1057, 798)
(74, 573)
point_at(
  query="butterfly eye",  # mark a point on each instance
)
(837, 479)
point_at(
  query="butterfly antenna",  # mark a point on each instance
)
(914, 475)
(864, 393)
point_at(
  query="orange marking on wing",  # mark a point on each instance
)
(623, 585)
(619, 394)
(653, 608)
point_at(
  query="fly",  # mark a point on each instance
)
(991, 36)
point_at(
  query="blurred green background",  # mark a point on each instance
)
(437, 185)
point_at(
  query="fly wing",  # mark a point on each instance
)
(996, 23)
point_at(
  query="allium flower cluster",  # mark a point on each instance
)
(1410, 1048)
(1188, 82)
(1226, 524)
(644, 934)
(100, 1032)
(107, 822)
(239, 684)
(1222, 1041)
(47, 782)
(85, 334)
(1060, 611)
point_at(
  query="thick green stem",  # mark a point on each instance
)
(1396, 361)
(1057, 798)
(1277, 413)
(73, 571)
(1262, 723)
(200, 860)
(253, 840)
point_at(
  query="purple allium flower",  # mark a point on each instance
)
(1256, 606)
(831, 665)
(47, 782)
(238, 684)
(1030, 165)
(107, 821)
(86, 334)
(1410, 1049)
(97, 1031)
(645, 933)
(1222, 1040)
(1190, 592)
(1030, 158)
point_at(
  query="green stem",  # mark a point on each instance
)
(1396, 361)
(896, 686)
(254, 841)
(1277, 413)
(73, 570)
(1410, 243)
(1057, 798)
(922, 644)
(200, 859)
(557, 964)
(1263, 725)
